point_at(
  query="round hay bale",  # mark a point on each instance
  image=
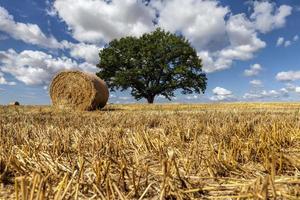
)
(14, 103)
(78, 90)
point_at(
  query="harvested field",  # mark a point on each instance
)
(186, 151)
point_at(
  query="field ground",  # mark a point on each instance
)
(192, 151)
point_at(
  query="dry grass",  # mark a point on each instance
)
(207, 151)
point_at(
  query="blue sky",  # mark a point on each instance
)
(250, 49)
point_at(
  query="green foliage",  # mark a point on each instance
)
(157, 63)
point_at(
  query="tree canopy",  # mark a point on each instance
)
(157, 63)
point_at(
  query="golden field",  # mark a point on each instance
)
(171, 151)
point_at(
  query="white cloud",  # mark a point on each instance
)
(258, 93)
(3, 81)
(49, 9)
(288, 76)
(243, 39)
(36, 67)
(32, 34)
(266, 17)
(242, 35)
(280, 41)
(291, 88)
(194, 20)
(219, 42)
(253, 71)
(252, 96)
(266, 94)
(221, 91)
(256, 83)
(88, 52)
(295, 38)
(221, 94)
(243, 44)
(102, 21)
(287, 43)
(284, 91)
(29, 33)
(190, 97)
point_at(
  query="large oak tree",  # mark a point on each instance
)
(157, 63)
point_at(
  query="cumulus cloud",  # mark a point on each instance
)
(279, 94)
(49, 9)
(32, 34)
(102, 21)
(292, 88)
(256, 83)
(267, 17)
(191, 97)
(194, 20)
(288, 76)
(221, 94)
(36, 67)
(266, 94)
(3, 81)
(253, 71)
(243, 43)
(221, 91)
(29, 33)
(281, 41)
(219, 41)
(242, 35)
(88, 52)
(287, 43)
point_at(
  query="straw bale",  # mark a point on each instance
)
(78, 90)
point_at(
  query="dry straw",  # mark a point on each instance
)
(78, 90)
(228, 151)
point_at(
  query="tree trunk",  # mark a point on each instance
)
(150, 99)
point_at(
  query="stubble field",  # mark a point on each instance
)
(186, 151)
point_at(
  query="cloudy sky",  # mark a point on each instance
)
(250, 49)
